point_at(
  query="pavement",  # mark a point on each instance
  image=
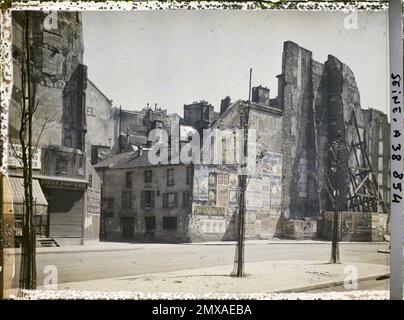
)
(125, 246)
(261, 277)
(204, 268)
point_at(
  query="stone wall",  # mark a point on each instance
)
(93, 205)
(215, 206)
(321, 102)
(299, 193)
(57, 53)
(99, 123)
(355, 226)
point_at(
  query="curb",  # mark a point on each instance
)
(227, 243)
(81, 251)
(330, 284)
(224, 243)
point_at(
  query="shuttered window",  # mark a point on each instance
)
(128, 180)
(148, 176)
(170, 177)
(147, 199)
(170, 200)
(189, 175)
(127, 200)
(186, 199)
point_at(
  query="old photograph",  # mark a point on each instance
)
(203, 152)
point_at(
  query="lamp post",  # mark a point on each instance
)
(242, 182)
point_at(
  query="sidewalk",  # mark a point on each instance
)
(262, 277)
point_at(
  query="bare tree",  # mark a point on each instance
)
(29, 136)
(332, 189)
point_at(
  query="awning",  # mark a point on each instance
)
(18, 198)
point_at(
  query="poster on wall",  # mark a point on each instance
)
(212, 179)
(272, 163)
(233, 181)
(201, 184)
(212, 194)
(222, 196)
(254, 200)
(232, 197)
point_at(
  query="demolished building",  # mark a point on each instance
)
(315, 140)
(329, 142)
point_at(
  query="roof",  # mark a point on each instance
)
(114, 159)
(234, 107)
(129, 160)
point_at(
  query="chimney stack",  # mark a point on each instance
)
(224, 104)
(260, 95)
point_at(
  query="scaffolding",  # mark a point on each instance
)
(363, 192)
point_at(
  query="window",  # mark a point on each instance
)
(61, 165)
(148, 176)
(68, 141)
(170, 177)
(128, 180)
(170, 200)
(150, 223)
(186, 199)
(110, 203)
(107, 214)
(224, 150)
(223, 179)
(169, 223)
(189, 175)
(147, 200)
(90, 180)
(127, 200)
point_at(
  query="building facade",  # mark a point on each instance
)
(65, 182)
(142, 202)
(99, 135)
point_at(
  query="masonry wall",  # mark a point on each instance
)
(57, 53)
(215, 206)
(299, 193)
(98, 114)
(320, 101)
(92, 205)
(133, 127)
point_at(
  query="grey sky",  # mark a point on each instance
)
(176, 57)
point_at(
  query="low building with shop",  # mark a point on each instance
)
(66, 192)
(142, 201)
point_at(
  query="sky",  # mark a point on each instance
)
(175, 57)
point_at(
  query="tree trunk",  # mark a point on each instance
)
(335, 225)
(28, 263)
